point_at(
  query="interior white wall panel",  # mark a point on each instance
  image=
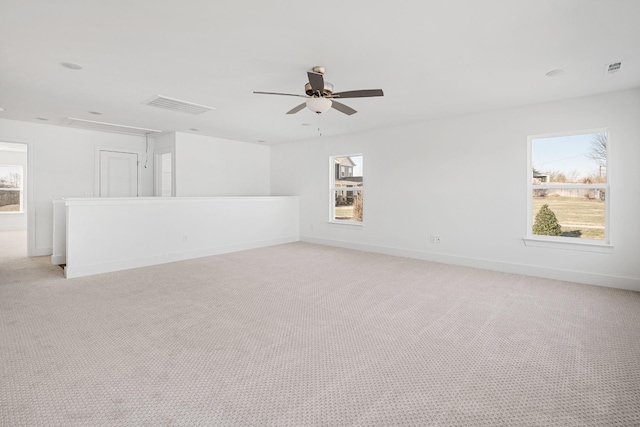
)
(63, 164)
(465, 178)
(206, 166)
(114, 234)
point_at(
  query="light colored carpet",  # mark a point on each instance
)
(300, 334)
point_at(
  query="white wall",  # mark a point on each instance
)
(164, 144)
(114, 234)
(17, 220)
(465, 179)
(206, 166)
(62, 163)
(59, 250)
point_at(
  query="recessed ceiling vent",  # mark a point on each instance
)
(107, 127)
(612, 68)
(177, 105)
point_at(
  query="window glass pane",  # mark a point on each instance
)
(10, 176)
(569, 212)
(347, 188)
(575, 159)
(10, 186)
(348, 204)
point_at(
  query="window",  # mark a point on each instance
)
(568, 188)
(10, 188)
(346, 189)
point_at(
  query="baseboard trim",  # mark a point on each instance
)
(107, 267)
(619, 282)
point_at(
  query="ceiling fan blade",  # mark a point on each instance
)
(366, 93)
(342, 108)
(316, 81)
(278, 93)
(298, 108)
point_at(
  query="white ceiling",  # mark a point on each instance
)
(431, 58)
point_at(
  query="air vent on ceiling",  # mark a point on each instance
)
(107, 127)
(613, 67)
(177, 105)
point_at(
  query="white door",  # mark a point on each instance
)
(118, 174)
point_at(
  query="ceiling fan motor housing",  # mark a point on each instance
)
(327, 91)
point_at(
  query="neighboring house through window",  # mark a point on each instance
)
(10, 188)
(346, 188)
(568, 188)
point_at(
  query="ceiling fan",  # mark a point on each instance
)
(320, 96)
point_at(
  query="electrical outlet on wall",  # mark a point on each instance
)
(434, 238)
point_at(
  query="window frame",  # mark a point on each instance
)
(20, 189)
(333, 189)
(560, 242)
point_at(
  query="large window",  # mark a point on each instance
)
(346, 188)
(569, 188)
(10, 188)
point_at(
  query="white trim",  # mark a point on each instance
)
(609, 281)
(570, 133)
(346, 222)
(156, 200)
(585, 245)
(567, 185)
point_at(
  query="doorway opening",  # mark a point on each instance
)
(13, 200)
(163, 175)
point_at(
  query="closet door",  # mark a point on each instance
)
(118, 174)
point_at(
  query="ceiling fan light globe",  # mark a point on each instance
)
(319, 105)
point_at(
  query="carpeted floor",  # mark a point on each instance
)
(301, 334)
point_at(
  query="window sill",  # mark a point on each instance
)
(584, 246)
(347, 223)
